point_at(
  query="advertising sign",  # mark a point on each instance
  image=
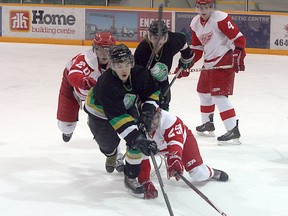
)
(124, 26)
(256, 29)
(182, 24)
(145, 18)
(43, 22)
(279, 35)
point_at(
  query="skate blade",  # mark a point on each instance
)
(230, 142)
(120, 168)
(206, 134)
(141, 195)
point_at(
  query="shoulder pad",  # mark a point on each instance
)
(218, 15)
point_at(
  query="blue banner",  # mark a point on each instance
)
(256, 29)
(182, 24)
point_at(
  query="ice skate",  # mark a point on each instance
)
(110, 163)
(220, 175)
(119, 163)
(231, 137)
(67, 137)
(134, 187)
(207, 129)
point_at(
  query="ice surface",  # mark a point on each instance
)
(40, 175)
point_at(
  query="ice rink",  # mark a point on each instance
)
(40, 175)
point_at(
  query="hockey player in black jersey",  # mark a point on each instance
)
(169, 45)
(109, 104)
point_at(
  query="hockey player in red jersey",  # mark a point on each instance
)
(218, 39)
(80, 74)
(176, 141)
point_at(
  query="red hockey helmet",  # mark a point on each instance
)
(104, 39)
(204, 1)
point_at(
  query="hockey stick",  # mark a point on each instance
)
(195, 70)
(153, 53)
(142, 128)
(173, 80)
(201, 194)
(212, 68)
(159, 166)
(161, 184)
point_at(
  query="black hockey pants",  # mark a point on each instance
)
(104, 134)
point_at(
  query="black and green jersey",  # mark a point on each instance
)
(106, 99)
(176, 43)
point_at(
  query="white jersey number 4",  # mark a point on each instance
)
(230, 25)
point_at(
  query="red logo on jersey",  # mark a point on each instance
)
(205, 38)
(19, 21)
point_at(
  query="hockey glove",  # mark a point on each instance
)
(87, 83)
(164, 102)
(150, 190)
(159, 72)
(239, 55)
(147, 114)
(144, 145)
(175, 165)
(186, 63)
(183, 73)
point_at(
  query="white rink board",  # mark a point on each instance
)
(43, 22)
(279, 32)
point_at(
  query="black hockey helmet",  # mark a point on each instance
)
(121, 53)
(153, 28)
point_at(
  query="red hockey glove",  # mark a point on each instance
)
(183, 73)
(239, 55)
(185, 64)
(150, 190)
(87, 83)
(175, 165)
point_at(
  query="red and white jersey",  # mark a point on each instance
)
(84, 64)
(214, 37)
(171, 132)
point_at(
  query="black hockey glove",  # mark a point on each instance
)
(147, 114)
(144, 145)
(186, 63)
(164, 102)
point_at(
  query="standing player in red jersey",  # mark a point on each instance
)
(219, 41)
